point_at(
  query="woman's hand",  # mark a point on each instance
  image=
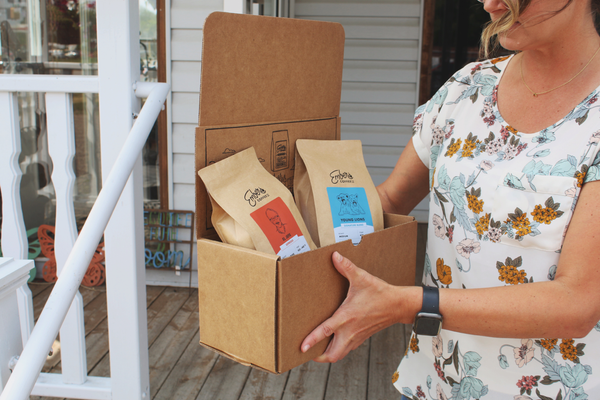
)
(370, 306)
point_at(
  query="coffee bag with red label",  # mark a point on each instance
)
(252, 208)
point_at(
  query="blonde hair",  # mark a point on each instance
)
(489, 36)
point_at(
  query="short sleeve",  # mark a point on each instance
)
(593, 172)
(422, 149)
(425, 117)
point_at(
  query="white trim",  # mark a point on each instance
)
(94, 388)
(169, 103)
(13, 276)
(158, 277)
(49, 83)
(25, 303)
(420, 53)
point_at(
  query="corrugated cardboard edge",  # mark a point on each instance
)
(330, 288)
(237, 294)
(237, 359)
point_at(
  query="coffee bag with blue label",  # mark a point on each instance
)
(252, 208)
(334, 191)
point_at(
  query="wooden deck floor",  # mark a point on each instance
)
(181, 369)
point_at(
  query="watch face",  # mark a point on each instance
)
(428, 325)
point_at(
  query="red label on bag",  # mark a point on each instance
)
(281, 229)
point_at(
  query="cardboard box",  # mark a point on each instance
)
(267, 82)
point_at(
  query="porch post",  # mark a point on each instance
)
(118, 69)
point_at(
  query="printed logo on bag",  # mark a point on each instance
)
(281, 229)
(341, 177)
(253, 197)
(350, 213)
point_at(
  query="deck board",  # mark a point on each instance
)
(40, 299)
(163, 309)
(189, 374)
(38, 287)
(170, 345)
(262, 385)
(387, 348)
(182, 369)
(347, 377)
(90, 294)
(225, 382)
(102, 368)
(306, 382)
(94, 313)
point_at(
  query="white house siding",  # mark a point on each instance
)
(184, 44)
(381, 72)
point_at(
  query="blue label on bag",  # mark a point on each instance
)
(350, 213)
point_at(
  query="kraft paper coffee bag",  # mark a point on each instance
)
(251, 208)
(334, 191)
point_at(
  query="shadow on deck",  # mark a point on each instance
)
(181, 369)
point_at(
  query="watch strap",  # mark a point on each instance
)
(431, 300)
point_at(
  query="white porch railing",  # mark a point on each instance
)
(118, 66)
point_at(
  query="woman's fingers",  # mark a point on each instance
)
(324, 358)
(321, 332)
(335, 351)
(356, 319)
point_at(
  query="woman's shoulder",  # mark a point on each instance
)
(475, 79)
(474, 70)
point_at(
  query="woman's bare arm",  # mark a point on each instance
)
(567, 307)
(407, 185)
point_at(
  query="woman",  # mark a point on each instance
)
(506, 149)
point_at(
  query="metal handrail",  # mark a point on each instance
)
(31, 361)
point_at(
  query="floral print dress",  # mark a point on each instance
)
(500, 204)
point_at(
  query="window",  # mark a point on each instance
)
(59, 37)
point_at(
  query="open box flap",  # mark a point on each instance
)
(257, 69)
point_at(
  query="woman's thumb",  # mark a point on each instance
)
(343, 265)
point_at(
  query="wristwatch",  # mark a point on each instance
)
(429, 320)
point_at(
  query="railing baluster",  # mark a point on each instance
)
(14, 240)
(14, 243)
(23, 378)
(61, 147)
